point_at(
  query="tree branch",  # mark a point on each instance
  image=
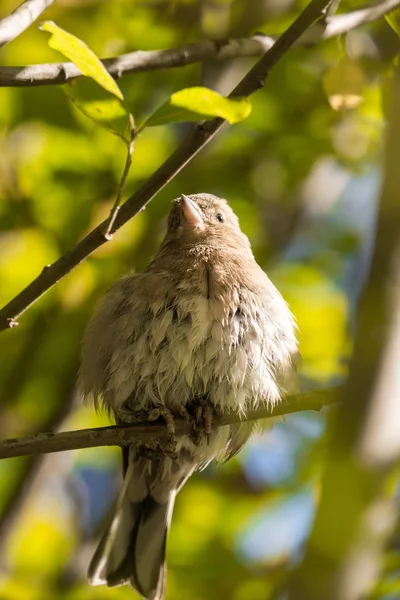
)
(120, 435)
(133, 62)
(19, 20)
(343, 23)
(197, 139)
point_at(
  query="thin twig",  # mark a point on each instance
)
(134, 62)
(19, 20)
(333, 8)
(197, 139)
(117, 203)
(124, 434)
(329, 12)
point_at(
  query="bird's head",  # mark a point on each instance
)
(204, 220)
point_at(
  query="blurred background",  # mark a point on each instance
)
(302, 173)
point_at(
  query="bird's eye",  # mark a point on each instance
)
(220, 218)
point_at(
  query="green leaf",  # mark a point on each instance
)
(393, 19)
(196, 104)
(81, 55)
(105, 109)
(97, 95)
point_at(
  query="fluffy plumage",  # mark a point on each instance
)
(203, 321)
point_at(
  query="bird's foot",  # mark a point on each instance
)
(168, 416)
(129, 415)
(126, 414)
(204, 414)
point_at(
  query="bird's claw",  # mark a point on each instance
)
(168, 446)
(166, 415)
(204, 414)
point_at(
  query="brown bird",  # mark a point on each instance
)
(201, 329)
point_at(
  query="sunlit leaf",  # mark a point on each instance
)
(82, 56)
(344, 84)
(102, 101)
(197, 104)
(100, 106)
(393, 19)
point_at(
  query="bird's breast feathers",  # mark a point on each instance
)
(167, 340)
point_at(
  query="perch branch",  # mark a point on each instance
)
(206, 50)
(197, 139)
(19, 20)
(120, 435)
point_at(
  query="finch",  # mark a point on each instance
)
(202, 330)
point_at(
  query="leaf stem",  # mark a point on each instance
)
(108, 227)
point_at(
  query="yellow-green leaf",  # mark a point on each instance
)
(196, 104)
(344, 84)
(99, 105)
(82, 56)
(393, 19)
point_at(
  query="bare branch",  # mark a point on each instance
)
(124, 434)
(19, 20)
(196, 140)
(134, 62)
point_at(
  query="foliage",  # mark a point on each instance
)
(286, 170)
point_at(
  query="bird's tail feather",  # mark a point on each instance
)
(132, 549)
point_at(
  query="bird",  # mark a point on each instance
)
(202, 331)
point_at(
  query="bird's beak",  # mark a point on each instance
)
(190, 212)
